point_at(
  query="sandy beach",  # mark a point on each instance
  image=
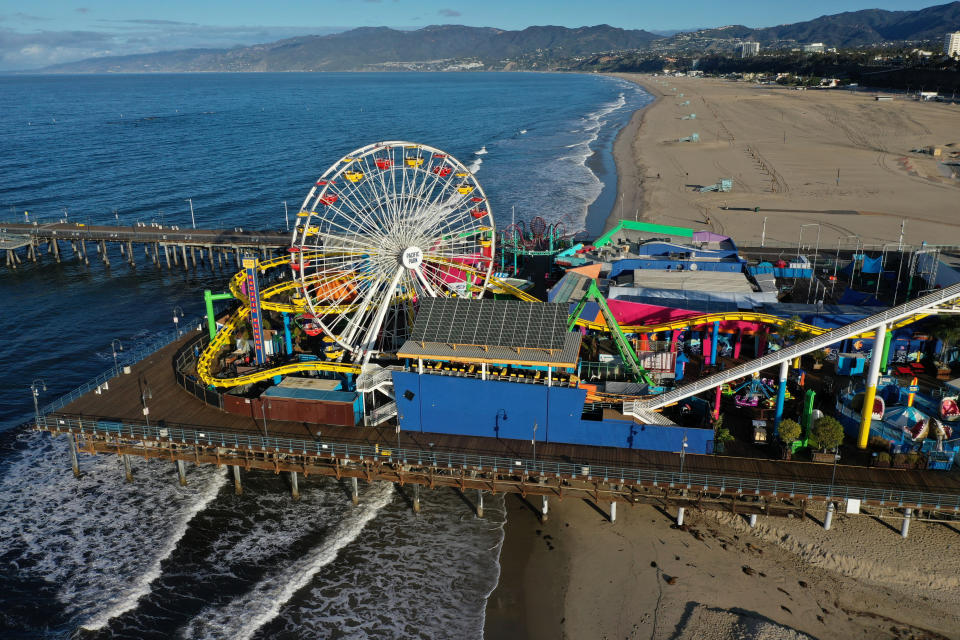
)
(579, 576)
(783, 149)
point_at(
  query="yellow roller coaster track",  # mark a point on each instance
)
(223, 337)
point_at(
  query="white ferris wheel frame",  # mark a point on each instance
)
(391, 236)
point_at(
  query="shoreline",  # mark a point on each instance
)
(630, 171)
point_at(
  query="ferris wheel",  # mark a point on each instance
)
(384, 227)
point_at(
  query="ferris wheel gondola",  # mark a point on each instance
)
(384, 227)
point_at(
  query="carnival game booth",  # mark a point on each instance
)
(504, 369)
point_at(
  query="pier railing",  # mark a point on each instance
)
(524, 467)
(128, 358)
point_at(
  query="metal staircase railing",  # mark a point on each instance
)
(893, 314)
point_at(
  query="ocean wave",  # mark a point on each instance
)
(243, 616)
(482, 151)
(475, 165)
(141, 584)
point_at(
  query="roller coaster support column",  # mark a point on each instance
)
(781, 396)
(208, 299)
(286, 332)
(714, 343)
(885, 358)
(716, 403)
(251, 266)
(871, 392)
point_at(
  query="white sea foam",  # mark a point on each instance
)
(523, 131)
(99, 540)
(475, 165)
(483, 150)
(243, 616)
(141, 583)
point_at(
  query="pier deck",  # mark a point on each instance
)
(173, 408)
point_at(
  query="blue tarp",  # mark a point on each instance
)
(859, 298)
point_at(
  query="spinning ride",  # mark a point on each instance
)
(385, 226)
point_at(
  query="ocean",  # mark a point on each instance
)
(97, 558)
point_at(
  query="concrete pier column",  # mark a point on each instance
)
(130, 258)
(103, 253)
(294, 487)
(127, 471)
(680, 516)
(56, 249)
(354, 492)
(613, 512)
(828, 519)
(479, 503)
(905, 526)
(416, 499)
(74, 461)
(753, 520)
(871, 392)
(781, 396)
(193, 256)
(166, 254)
(544, 508)
(83, 251)
(237, 487)
(182, 472)
(122, 250)
(183, 248)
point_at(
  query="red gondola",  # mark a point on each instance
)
(476, 199)
(294, 249)
(478, 212)
(440, 155)
(384, 163)
(328, 199)
(320, 183)
(443, 172)
(295, 266)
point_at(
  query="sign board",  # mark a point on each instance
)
(913, 388)
(853, 505)
(256, 316)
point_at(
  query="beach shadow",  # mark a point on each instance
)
(814, 518)
(595, 507)
(886, 524)
(684, 620)
(694, 186)
(528, 505)
(466, 500)
(663, 510)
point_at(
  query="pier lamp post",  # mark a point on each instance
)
(193, 221)
(115, 346)
(66, 215)
(36, 387)
(145, 394)
(833, 476)
(116, 216)
(286, 214)
(683, 452)
(816, 253)
(533, 441)
(763, 233)
(177, 314)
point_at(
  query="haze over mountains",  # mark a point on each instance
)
(452, 47)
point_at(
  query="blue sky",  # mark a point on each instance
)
(36, 33)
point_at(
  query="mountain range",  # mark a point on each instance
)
(455, 47)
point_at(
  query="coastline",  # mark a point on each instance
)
(631, 173)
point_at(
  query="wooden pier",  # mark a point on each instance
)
(182, 428)
(162, 245)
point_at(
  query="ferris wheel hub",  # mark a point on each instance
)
(412, 257)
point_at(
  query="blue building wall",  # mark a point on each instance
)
(492, 408)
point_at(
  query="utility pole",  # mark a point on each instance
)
(193, 220)
(286, 214)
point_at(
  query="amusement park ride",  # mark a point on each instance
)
(394, 223)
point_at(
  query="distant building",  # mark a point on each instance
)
(814, 47)
(951, 44)
(749, 49)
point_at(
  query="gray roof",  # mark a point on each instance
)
(565, 357)
(491, 323)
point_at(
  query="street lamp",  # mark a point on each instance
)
(763, 234)
(533, 441)
(115, 346)
(145, 394)
(193, 220)
(176, 319)
(36, 387)
(816, 252)
(683, 451)
(286, 214)
(833, 476)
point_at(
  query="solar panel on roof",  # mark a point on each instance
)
(501, 323)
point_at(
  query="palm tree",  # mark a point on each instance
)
(947, 329)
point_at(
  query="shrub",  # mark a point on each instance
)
(827, 433)
(883, 457)
(790, 430)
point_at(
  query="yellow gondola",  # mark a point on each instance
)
(353, 176)
(414, 162)
(304, 214)
(461, 174)
(464, 189)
